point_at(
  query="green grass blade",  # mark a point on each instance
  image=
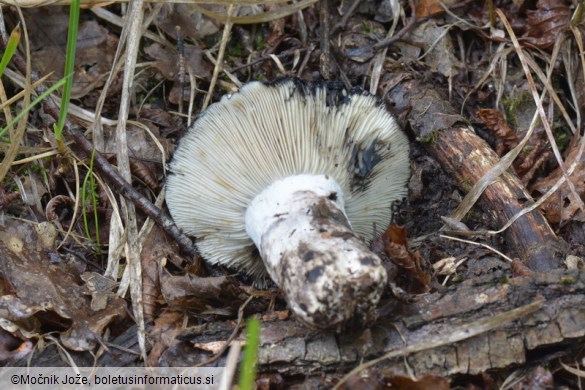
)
(89, 193)
(248, 366)
(69, 64)
(50, 90)
(84, 196)
(11, 47)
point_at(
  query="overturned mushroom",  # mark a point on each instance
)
(290, 178)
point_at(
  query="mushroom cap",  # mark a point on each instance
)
(268, 131)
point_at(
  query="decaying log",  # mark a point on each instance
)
(420, 107)
(519, 320)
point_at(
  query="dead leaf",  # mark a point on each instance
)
(157, 250)
(13, 348)
(437, 48)
(534, 154)
(537, 378)
(412, 274)
(100, 289)
(94, 55)
(426, 8)
(166, 327)
(493, 119)
(44, 288)
(561, 206)
(193, 24)
(357, 41)
(167, 61)
(551, 18)
(200, 294)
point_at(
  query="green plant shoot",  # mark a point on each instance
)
(248, 366)
(69, 64)
(89, 192)
(10, 48)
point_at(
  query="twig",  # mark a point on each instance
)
(124, 188)
(343, 22)
(407, 27)
(181, 52)
(411, 23)
(268, 57)
(325, 58)
(101, 164)
(232, 336)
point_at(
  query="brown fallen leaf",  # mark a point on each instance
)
(166, 328)
(201, 294)
(561, 206)
(551, 18)
(13, 348)
(96, 48)
(192, 24)
(426, 8)
(167, 61)
(158, 250)
(44, 290)
(535, 153)
(493, 119)
(411, 273)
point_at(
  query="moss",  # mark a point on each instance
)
(568, 280)
(259, 42)
(562, 138)
(465, 185)
(431, 138)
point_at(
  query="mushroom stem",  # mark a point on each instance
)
(327, 272)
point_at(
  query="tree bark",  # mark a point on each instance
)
(482, 324)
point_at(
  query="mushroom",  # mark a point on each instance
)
(289, 178)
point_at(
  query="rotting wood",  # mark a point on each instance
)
(555, 328)
(420, 107)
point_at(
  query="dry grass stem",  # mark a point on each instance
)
(218, 64)
(134, 29)
(16, 139)
(486, 246)
(576, 198)
(100, 3)
(8, 102)
(255, 19)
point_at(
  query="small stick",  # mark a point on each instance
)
(407, 27)
(267, 58)
(343, 22)
(158, 216)
(121, 185)
(181, 51)
(325, 63)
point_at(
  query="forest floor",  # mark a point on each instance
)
(91, 270)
